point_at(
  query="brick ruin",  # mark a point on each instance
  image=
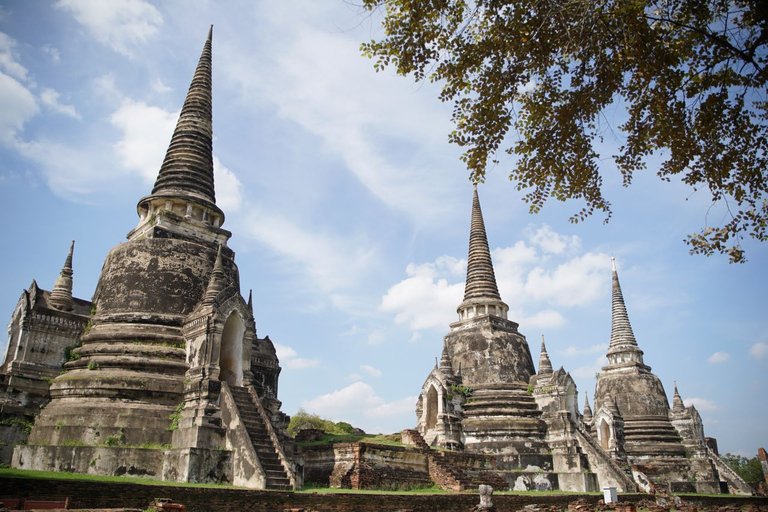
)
(163, 375)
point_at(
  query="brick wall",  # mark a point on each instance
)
(114, 495)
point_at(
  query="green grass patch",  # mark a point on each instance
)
(383, 439)
(80, 477)
(311, 489)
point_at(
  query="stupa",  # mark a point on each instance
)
(170, 380)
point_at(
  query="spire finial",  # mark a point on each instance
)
(187, 170)
(545, 365)
(677, 401)
(587, 409)
(250, 292)
(61, 295)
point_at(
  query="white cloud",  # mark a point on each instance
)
(718, 357)
(229, 194)
(421, 301)
(17, 106)
(71, 172)
(546, 319)
(759, 350)
(428, 297)
(160, 87)
(702, 404)
(52, 52)
(146, 133)
(50, 98)
(574, 351)
(119, 24)
(331, 261)
(290, 360)
(375, 338)
(370, 370)
(588, 371)
(319, 81)
(358, 400)
(8, 59)
(554, 243)
(105, 86)
(576, 282)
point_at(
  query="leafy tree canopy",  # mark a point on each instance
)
(303, 420)
(748, 469)
(691, 74)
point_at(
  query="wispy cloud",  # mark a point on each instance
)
(759, 350)
(702, 404)
(50, 98)
(534, 285)
(331, 261)
(119, 24)
(359, 403)
(9, 61)
(291, 360)
(718, 357)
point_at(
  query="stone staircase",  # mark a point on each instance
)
(275, 475)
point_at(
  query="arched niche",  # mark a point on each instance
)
(231, 355)
(605, 435)
(431, 408)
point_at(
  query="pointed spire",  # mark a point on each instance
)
(621, 330)
(481, 281)
(545, 365)
(587, 409)
(217, 282)
(250, 301)
(61, 295)
(187, 170)
(622, 338)
(445, 362)
(481, 294)
(677, 401)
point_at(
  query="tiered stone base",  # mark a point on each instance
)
(503, 419)
(176, 465)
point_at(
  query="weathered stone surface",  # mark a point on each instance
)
(170, 332)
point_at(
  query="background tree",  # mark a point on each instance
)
(690, 73)
(303, 420)
(748, 469)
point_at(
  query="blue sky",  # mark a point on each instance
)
(349, 209)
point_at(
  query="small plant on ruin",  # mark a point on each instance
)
(461, 390)
(92, 366)
(70, 354)
(175, 417)
(117, 439)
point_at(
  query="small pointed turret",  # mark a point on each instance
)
(677, 401)
(250, 302)
(623, 346)
(545, 365)
(185, 178)
(445, 363)
(481, 294)
(587, 410)
(61, 295)
(217, 282)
